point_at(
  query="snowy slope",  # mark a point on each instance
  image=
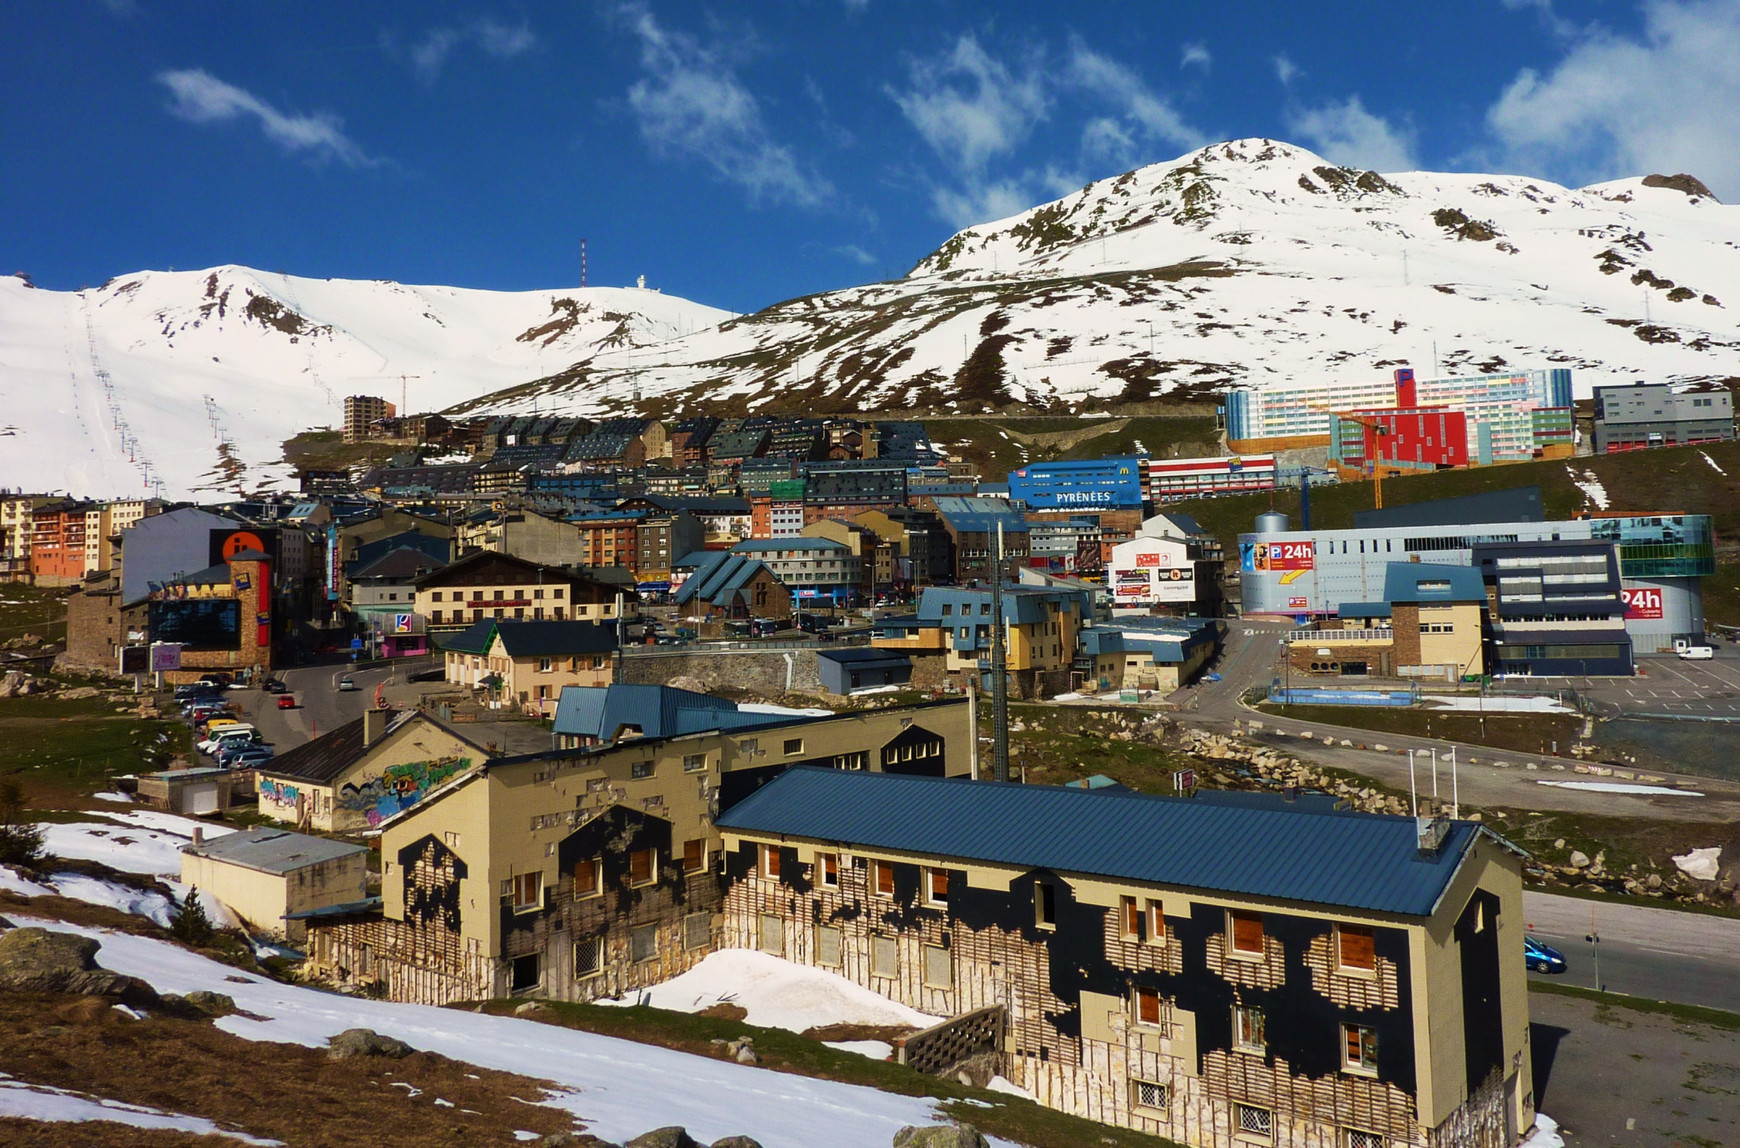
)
(619, 1088)
(136, 386)
(1245, 263)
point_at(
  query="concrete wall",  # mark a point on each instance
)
(763, 672)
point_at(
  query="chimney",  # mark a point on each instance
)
(374, 725)
(199, 835)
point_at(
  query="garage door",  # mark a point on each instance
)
(202, 798)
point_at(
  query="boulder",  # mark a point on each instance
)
(940, 1136)
(38, 960)
(210, 1003)
(1579, 859)
(365, 1042)
(79, 693)
(1700, 864)
(737, 1142)
(675, 1136)
(531, 1008)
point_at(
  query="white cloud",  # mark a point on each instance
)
(982, 201)
(1347, 134)
(1660, 102)
(690, 104)
(500, 41)
(1195, 55)
(1145, 116)
(969, 106)
(201, 98)
(855, 253)
(1285, 70)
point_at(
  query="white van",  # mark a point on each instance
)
(1697, 653)
(240, 731)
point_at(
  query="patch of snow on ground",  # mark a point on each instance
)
(1545, 1134)
(1590, 485)
(1003, 1084)
(776, 993)
(1620, 787)
(765, 708)
(619, 1088)
(120, 797)
(136, 901)
(1500, 705)
(14, 882)
(168, 822)
(1712, 463)
(119, 847)
(874, 1049)
(57, 1105)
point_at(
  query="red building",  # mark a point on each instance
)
(1412, 439)
(57, 542)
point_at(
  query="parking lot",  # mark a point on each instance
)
(1667, 687)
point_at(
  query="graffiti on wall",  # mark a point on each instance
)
(279, 794)
(398, 787)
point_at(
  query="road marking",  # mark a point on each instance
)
(1670, 953)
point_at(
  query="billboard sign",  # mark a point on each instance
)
(1097, 484)
(165, 656)
(1154, 559)
(203, 623)
(135, 659)
(1298, 603)
(1287, 556)
(227, 543)
(334, 565)
(1643, 603)
(402, 623)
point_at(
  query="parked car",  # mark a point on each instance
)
(247, 757)
(274, 686)
(1542, 958)
(1697, 653)
(286, 701)
(233, 734)
(765, 627)
(347, 684)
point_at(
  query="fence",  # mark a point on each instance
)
(942, 1047)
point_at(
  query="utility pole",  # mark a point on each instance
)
(999, 669)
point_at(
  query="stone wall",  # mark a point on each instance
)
(767, 672)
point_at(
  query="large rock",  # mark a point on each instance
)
(365, 1042)
(674, 1136)
(737, 1142)
(42, 961)
(1700, 864)
(940, 1136)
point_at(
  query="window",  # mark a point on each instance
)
(770, 862)
(1156, 923)
(588, 880)
(794, 746)
(588, 957)
(640, 769)
(828, 946)
(947, 610)
(556, 593)
(1359, 1139)
(939, 967)
(537, 594)
(1132, 918)
(883, 874)
(528, 891)
(1145, 1006)
(694, 761)
(545, 665)
(498, 596)
(526, 973)
(1248, 1031)
(1044, 905)
(1149, 1094)
(772, 934)
(436, 597)
(884, 957)
(828, 870)
(642, 867)
(697, 930)
(643, 943)
(1246, 930)
(1253, 1123)
(936, 886)
(1354, 948)
(1359, 1049)
(451, 837)
(695, 855)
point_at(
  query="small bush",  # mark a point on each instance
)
(20, 841)
(190, 924)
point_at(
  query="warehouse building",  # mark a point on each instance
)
(1647, 415)
(1084, 484)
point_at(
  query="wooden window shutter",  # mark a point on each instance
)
(1132, 918)
(884, 879)
(1357, 947)
(585, 878)
(1147, 1006)
(1247, 933)
(640, 866)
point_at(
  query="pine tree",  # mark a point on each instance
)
(190, 925)
(20, 841)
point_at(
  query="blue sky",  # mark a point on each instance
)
(743, 154)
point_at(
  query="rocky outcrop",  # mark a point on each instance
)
(353, 1042)
(42, 961)
(940, 1136)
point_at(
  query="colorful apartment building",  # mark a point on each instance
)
(1397, 440)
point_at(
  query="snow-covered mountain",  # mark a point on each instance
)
(1245, 263)
(167, 381)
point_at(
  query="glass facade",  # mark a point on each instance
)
(1661, 545)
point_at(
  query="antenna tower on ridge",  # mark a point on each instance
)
(582, 261)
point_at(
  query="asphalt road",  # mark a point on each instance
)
(320, 707)
(1661, 954)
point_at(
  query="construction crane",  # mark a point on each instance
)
(404, 387)
(1374, 460)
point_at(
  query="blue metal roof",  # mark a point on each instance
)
(858, 656)
(1430, 582)
(798, 542)
(655, 711)
(718, 583)
(980, 515)
(1289, 853)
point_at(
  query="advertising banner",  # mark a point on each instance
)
(1140, 577)
(135, 659)
(229, 543)
(1102, 484)
(334, 563)
(1287, 556)
(1151, 560)
(165, 656)
(1643, 603)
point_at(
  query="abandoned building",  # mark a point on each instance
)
(1220, 970)
(587, 872)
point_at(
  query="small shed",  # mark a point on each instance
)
(848, 671)
(195, 791)
(265, 874)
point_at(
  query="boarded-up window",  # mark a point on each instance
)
(770, 861)
(697, 930)
(1247, 933)
(828, 946)
(884, 879)
(829, 866)
(1156, 922)
(884, 957)
(642, 869)
(939, 967)
(528, 891)
(586, 883)
(1355, 947)
(643, 943)
(1147, 1006)
(1132, 914)
(937, 886)
(588, 957)
(694, 855)
(772, 934)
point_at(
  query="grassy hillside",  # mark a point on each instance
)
(998, 445)
(1672, 480)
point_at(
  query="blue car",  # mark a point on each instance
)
(1542, 958)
